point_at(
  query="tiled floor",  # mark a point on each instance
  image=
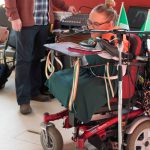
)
(15, 128)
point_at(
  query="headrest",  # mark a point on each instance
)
(135, 44)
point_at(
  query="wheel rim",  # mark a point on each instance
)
(48, 143)
(142, 141)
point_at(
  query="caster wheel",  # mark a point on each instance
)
(55, 140)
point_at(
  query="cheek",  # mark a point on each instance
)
(90, 27)
(103, 28)
(106, 27)
(94, 35)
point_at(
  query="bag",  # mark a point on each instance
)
(3, 34)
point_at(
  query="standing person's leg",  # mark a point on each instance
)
(39, 53)
(24, 57)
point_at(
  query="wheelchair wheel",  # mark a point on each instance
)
(55, 140)
(140, 138)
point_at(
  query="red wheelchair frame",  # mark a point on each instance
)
(106, 127)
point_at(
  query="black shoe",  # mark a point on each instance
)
(48, 94)
(51, 96)
(25, 109)
(40, 98)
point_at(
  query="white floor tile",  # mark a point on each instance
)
(14, 127)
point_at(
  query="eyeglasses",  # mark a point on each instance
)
(95, 24)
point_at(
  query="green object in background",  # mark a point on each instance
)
(123, 20)
(146, 25)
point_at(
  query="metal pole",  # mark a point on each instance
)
(120, 48)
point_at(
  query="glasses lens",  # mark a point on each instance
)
(96, 24)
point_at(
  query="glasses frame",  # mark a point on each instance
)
(97, 24)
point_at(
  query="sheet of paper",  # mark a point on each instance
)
(62, 47)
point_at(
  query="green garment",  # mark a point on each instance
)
(91, 92)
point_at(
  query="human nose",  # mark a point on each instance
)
(91, 26)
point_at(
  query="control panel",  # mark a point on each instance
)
(77, 20)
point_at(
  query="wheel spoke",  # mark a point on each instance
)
(142, 139)
(142, 147)
(138, 143)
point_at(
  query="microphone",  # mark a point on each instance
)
(90, 43)
(80, 30)
(61, 31)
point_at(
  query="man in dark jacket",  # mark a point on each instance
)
(30, 19)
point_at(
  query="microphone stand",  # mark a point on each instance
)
(120, 48)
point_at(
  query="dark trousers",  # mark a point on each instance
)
(30, 50)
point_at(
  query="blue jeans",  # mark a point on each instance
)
(29, 51)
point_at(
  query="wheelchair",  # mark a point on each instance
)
(102, 131)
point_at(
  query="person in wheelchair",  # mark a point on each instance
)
(96, 85)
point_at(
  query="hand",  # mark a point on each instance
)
(16, 25)
(72, 9)
(3, 34)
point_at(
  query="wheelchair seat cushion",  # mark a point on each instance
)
(91, 93)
